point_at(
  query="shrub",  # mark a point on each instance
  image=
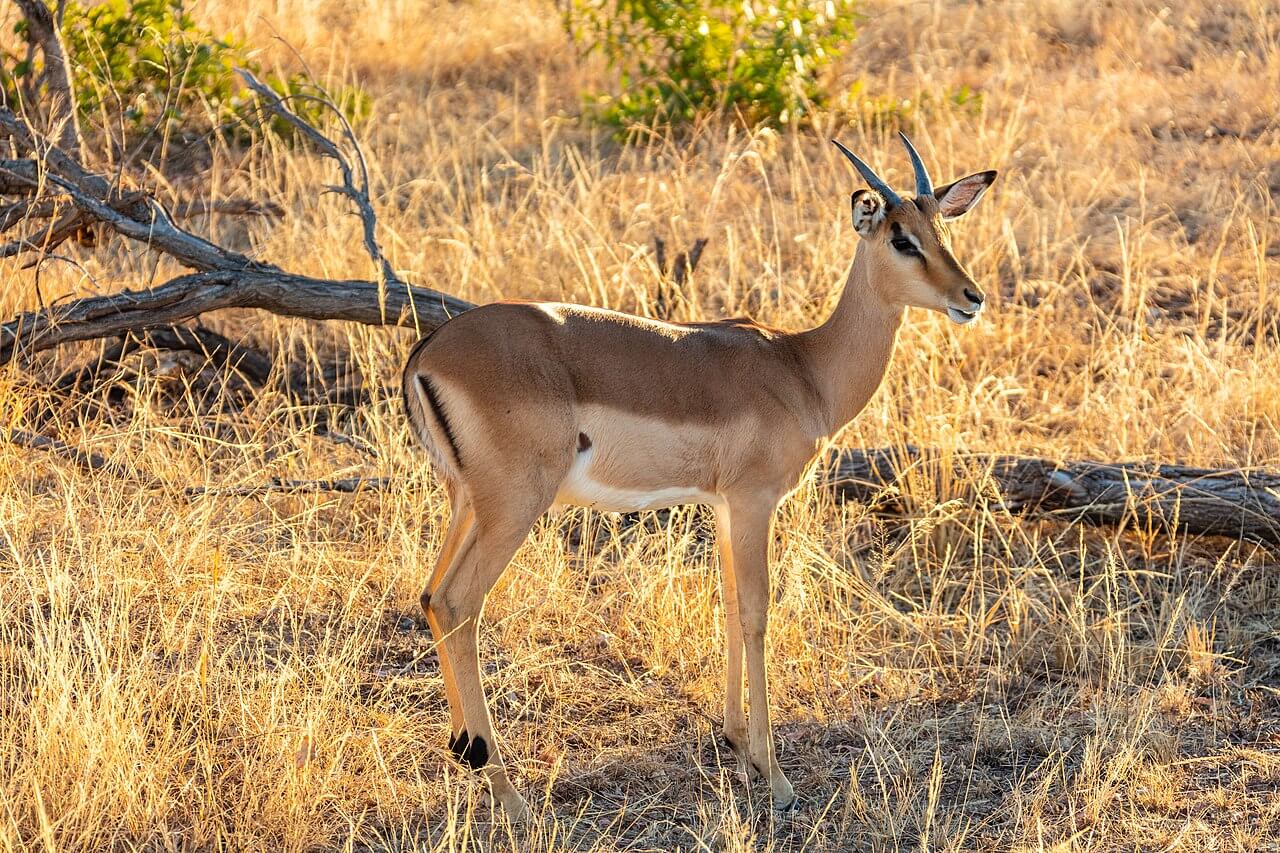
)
(677, 59)
(881, 112)
(150, 63)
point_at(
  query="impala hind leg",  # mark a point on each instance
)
(750, 533)
(457, 603)
(456, 541)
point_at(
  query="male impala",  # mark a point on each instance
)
(522, 406)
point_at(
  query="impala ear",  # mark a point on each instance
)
(959, 197)
(868, 211)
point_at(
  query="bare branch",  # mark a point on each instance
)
(49, 237)
(88, 461)
(25, 209)
(157, 229)
(221, 351)
(349, 485)
(359, 195)
(132, 214)
(191, 295)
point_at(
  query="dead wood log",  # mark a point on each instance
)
(348, 485)
(1240, 504)
(218, 350)
(188, 296)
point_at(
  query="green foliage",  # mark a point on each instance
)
(146, 65)
(885, 112)
(677, 59)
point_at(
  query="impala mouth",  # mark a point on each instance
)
(961, 317)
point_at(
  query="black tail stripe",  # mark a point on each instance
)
(434, 402)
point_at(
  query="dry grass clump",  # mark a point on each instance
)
(254, 672)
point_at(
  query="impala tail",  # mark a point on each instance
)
(427, 417)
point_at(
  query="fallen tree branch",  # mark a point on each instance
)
(1238, 504)
(19, 177)
(224, 279)
(188, 296)
(349, 485)
(91, 462)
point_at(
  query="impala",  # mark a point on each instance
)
(523, 406)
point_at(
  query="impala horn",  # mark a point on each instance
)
(924, 186)
(873, 180)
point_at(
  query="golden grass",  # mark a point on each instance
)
(254, 672)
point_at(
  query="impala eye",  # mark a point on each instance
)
(905, 246)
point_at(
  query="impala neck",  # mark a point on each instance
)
(849, 353)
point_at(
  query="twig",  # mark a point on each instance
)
(673, 278)
(156, 228)
(350, 485)
(359, 195)
(88, 461)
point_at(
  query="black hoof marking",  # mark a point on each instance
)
(584, 443)
(425, 601)
(458, 744)
(476, 754)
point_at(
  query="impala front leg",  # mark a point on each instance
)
(735, 715)
(750, 533)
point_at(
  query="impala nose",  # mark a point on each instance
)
(974, 297)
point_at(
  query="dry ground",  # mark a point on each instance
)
(250, 673)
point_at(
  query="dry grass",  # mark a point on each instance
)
(254, 672)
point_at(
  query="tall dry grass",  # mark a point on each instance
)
(253, 673)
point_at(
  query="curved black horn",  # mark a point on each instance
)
(924, 186)
(872, 179)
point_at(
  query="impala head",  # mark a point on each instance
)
(907, 242)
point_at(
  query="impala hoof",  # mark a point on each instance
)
(784, 796)
(505, 796)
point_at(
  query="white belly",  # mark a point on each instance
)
(579, 489)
